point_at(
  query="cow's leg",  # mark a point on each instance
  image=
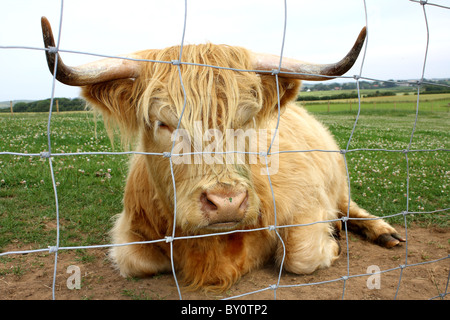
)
(376, 230)
(139, 260)
(136, 260)
(309, 248)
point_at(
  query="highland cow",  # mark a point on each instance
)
(222, 88)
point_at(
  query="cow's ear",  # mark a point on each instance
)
(287, 90)
(116, 102)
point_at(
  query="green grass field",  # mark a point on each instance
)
(90, 186)
(404, 101)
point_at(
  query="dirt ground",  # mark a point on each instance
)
(31, 275)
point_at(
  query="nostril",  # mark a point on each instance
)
(207, 205)
(219, 206)
(223, 202)
(243, 205)
(210, 203)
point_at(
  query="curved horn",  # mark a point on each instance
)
(309, 71)
(99, 71)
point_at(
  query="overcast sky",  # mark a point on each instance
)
(319, 31)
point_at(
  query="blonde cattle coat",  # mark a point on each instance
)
(308, 186)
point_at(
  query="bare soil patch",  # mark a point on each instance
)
(30, 276)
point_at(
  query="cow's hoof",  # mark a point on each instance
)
(389, 240)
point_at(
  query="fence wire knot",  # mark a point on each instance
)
(176, 62)
(271, 228)
(169, 239)
(52, 249)
(52, 50)
(166, 154)
(44, 154)
(263, 154)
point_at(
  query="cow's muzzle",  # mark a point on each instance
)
(224, 209)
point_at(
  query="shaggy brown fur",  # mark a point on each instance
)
(308, 186)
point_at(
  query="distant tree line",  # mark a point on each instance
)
(64, 104)
(352, 95)
(363, 85)
(429, 89)
(440, 87)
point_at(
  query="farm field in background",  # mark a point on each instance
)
(402, 101)
(90, 186)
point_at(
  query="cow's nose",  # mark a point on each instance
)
(224, 208)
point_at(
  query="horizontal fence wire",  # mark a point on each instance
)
(55, 248)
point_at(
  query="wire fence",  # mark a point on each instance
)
(55, 248)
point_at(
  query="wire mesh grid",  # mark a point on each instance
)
(50, 156)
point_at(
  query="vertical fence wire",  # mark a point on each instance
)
(173, 146)
(50, 162)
